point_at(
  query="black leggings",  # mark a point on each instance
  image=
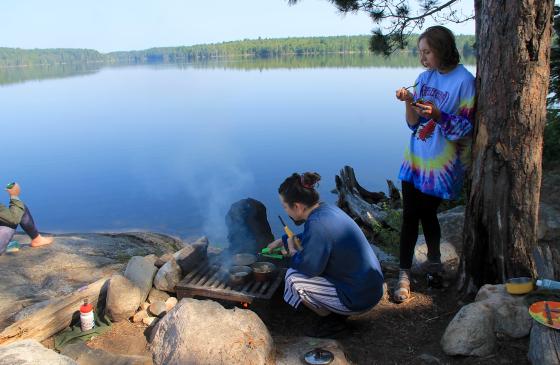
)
(419, 207)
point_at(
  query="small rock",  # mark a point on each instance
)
(145, 306)
(191, 255)
(148, 321)
(158, 309)
(160, 261)
(429, 359)
(157, 296)
(168, 276)
(152, 258)
(170, 303)
(139, 316)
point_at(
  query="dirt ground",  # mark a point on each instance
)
(395, 333)
(388, 334)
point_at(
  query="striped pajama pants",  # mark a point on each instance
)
(317, 291)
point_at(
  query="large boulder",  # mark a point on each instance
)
(547, 251)
(168, 276)
(451, 223)
(248, 228)
(449, 259)
(31, 352)
(451, 247)
(471, 332)
(473, 329)
(192, 254)
(204, 332)
(549, 223)
(511, 313)
(141, 271)
(123, 298)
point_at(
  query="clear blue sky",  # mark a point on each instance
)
(110, 25)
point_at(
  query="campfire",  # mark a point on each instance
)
(237, 278)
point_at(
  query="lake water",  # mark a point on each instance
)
(169, 148)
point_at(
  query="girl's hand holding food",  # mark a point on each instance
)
(404, 95)
(275, 244)
(427, 110)
(292, 250)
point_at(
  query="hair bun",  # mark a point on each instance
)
(310, 179)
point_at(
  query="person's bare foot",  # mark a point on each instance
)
(41, 241)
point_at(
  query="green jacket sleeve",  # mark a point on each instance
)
(12, 215)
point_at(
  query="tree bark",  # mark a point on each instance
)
(513, 43)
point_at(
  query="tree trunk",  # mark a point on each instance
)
(513, 43)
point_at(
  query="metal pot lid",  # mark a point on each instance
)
(244, 259)
(318, 356)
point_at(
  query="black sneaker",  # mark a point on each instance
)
(329, 326)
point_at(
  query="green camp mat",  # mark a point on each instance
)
(74, 333)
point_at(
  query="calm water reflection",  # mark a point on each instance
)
(171, 148)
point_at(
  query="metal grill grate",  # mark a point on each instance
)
(208, 280)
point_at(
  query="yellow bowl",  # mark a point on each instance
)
(521, 285)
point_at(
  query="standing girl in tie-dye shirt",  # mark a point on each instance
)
(440, 114)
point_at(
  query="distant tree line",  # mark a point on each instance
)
(257, 48)
(15, 57)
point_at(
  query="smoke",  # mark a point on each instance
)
(204, 176)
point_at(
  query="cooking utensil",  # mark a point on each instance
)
(264, 271)
(243, 259)
(239, 275)
(411, 86)
(522, 285)
(548, 315)
(275, 253)
(318, 356)
(289, 233)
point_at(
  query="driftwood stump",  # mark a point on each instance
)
(544, 346)
(363, 206)
(54, 317)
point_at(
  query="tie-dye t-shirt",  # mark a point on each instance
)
(439, 151)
